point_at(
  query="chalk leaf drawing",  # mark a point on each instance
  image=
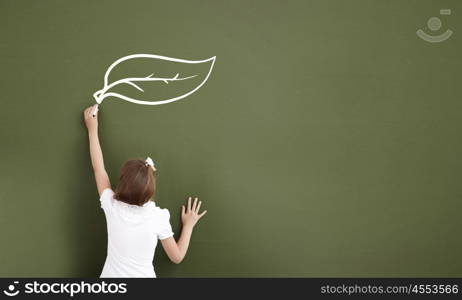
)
(135, 81)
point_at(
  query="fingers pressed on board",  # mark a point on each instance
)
(194, 204)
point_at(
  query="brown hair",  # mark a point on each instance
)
(137, 183)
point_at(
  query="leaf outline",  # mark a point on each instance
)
(102, 94)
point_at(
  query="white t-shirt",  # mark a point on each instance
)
(132, 236)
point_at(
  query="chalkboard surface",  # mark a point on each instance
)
(326, 142)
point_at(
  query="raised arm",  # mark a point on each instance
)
(101, 177)
(176, 251)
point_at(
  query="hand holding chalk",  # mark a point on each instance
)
(90, 116)
(95, 110)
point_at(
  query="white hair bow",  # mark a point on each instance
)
(149, 162)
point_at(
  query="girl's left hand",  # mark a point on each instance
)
(190, 214)
(91, 121)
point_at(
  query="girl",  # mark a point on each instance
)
(134, 223)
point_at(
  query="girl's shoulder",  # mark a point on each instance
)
(158, 210)
(161, 215)
(106, 198)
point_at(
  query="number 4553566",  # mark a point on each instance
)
(435, 289)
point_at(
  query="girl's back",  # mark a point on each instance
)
(133, 232)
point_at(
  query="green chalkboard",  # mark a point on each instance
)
(326, 142)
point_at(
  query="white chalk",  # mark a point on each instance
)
(95, 111)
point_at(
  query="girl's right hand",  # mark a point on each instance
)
(190, 214)
(91, 121)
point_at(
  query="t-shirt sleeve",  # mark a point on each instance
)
(106, 198)
(165, 229)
